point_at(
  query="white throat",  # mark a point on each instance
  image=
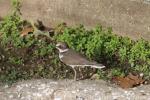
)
(61, 51)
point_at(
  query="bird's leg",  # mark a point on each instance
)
(93, 72)
(82, 76)
(75, 73)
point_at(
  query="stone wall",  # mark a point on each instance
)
(126, 17)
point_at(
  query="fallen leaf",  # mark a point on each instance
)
(137, 78)
(129, 81)
(25, 31)
(123, 82)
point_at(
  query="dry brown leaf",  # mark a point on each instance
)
(129, 81)
(123, 82)
(137, 79)
(25, 31)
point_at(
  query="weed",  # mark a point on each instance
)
(28, 57)
(121, 54)
(10, 76)
(11, 26)
(44, 48)
(14, 60)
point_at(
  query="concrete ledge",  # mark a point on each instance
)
(126, 17)
(72, 90)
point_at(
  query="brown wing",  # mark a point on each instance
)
(73, 58)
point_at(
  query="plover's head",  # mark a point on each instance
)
(62, 47)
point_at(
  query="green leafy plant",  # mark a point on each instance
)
(11, 76)
(11, 26)
(104, 46)
(14, 60)
(44, 49)
(28, 57)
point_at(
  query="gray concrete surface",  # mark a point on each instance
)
(71, 90)
(126, 17)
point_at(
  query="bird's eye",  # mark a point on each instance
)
(61, 46)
